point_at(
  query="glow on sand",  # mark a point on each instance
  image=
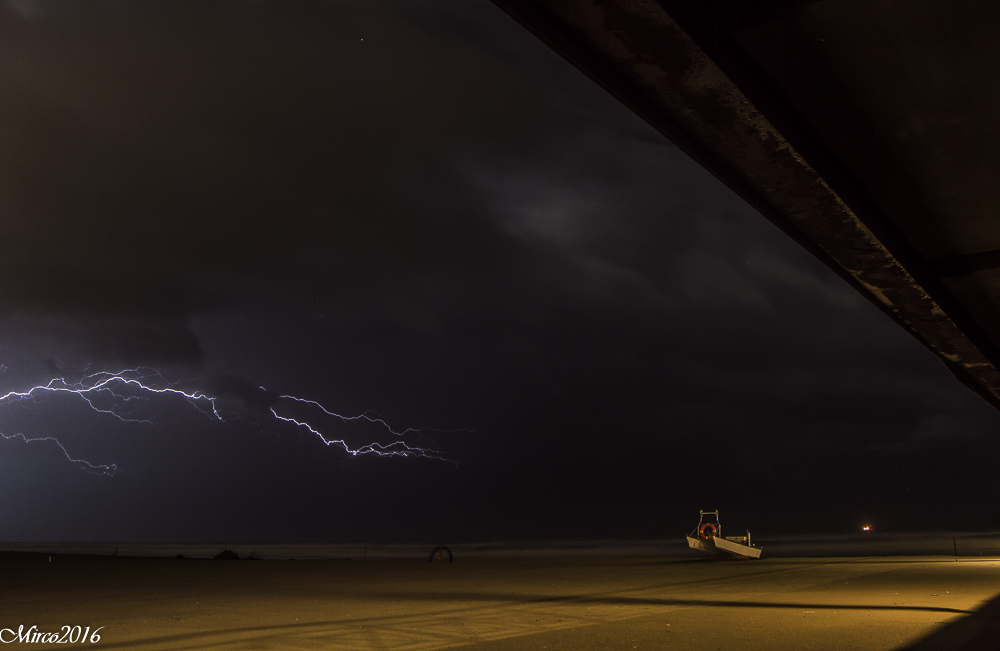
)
(566, 603)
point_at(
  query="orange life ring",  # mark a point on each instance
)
(701, 531)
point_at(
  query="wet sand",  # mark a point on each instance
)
(577, 603)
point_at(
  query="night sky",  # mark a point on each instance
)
(414, 210)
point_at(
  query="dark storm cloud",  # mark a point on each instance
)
(162, 159)
(446, 224)
(714, 340)
(26, 9)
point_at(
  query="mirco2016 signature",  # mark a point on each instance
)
(65, 635)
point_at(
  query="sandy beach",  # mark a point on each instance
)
(549, 603)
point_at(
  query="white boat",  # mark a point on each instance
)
(707, 539)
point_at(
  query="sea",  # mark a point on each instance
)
(867, 544)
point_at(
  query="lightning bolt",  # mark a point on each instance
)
(366, 417)
(104, 385)
(395, 449)
(125, 394)
(104, 469)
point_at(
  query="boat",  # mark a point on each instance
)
(707, 539)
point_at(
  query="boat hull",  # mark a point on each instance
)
(722, 548)
(704, 546)
(735, 548)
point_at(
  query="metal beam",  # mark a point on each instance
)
(689, 79)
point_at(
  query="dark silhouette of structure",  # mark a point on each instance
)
(865, 129)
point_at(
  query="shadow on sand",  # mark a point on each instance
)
(978, 632)
(258, 634)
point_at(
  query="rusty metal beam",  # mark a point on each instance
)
(687, 78)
